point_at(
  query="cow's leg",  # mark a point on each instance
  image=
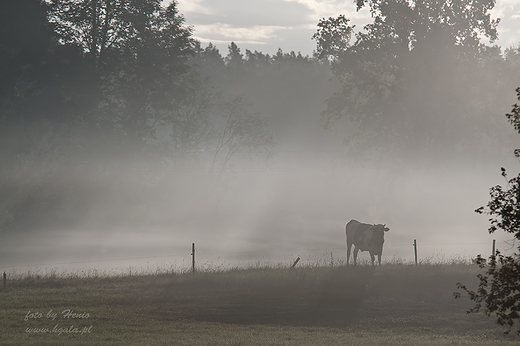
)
(379, 258)
(372, 257)
(349, 247)
(356, 250)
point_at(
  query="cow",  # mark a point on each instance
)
(365, 237)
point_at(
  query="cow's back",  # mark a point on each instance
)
(356, 232)
(352, 225)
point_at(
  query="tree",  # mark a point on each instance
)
(160, 72)
(239, 131)
(188, 121)
(39, 78)
(137, 53)
(209, 128)
(208, 61)
(40, 96)
(82, 82)
(499, 288)
(234, 57)
(25, 45)
(401, 77)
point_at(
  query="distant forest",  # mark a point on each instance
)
(97, 96)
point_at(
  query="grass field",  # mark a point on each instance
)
(394, 304)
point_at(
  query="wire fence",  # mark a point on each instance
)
(245, 256)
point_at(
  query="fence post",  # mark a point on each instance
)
(493, 253)
(193, 258)
(5, 280)
(295, 263)
(415, 249)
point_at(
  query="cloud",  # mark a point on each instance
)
(267, 25)
(504, 7)
(333, 8)
(256, 25)
(245, 13)
(196, 6)
(225, 33)
(508, 30)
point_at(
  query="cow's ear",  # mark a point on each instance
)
(387, 229)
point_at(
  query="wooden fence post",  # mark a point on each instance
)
(295, 263)
(415, 249)
(193, 258)
(5, 280)
(493, 253)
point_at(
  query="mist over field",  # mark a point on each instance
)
(252, 157)
(296, 205)
(272, 215)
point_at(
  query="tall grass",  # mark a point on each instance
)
(326, 260)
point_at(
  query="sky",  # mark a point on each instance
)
(267, 25)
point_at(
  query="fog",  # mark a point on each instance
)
(296, 205)
(126, 171)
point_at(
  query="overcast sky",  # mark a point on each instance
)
(266, 25)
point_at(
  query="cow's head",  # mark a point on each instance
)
(378, 238)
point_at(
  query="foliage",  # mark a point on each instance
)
(136, 52)
(82, 82)
(89, 86)
(499, 287)
(514, 118)
(25, 45)
(505, 207)
(333, 36)
(404, 75)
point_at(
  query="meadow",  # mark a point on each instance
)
(392, 304)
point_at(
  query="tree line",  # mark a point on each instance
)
(94, 88)
(420, 78)
(89, 86)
